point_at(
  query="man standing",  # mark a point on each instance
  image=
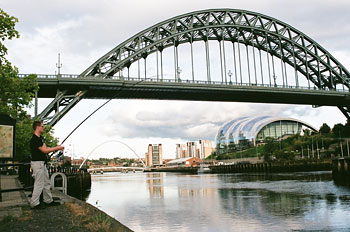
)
(41, 176)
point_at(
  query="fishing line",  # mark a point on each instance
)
(113, 97)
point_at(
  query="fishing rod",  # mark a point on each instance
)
(60, 153)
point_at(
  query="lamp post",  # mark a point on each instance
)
(179, 70)
(230, 75)
(274, 79)
(59, 65)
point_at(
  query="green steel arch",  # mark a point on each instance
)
(248, 28)
(260, 31)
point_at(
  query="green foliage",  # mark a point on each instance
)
(284, 155)
(7, 31)
(338, 129)
(24, 133)
(324, 129)
(346, 130)
(50, 140)
(213, 155)
(66, 164)
(17, 93)
(307, 132)
(270, 146)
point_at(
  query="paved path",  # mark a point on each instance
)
(71, 215)
(12, 202)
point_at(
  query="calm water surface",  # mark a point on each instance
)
(223, 202)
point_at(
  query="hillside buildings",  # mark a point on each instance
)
(201, 149)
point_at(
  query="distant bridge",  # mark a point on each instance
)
(212, 55)
(115, 169)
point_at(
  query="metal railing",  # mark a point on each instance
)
(24, 176)
(183, 81)
(26, 179)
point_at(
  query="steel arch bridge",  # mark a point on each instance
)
(326, 81)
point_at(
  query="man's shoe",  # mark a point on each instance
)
(53, 203)
(40, 206)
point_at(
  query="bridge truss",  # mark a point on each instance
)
(256, 38)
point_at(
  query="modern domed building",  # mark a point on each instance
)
(243, 132)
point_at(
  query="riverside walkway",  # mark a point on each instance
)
(71, 215)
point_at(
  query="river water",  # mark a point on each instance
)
(307, 201)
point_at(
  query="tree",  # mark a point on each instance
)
(270, 146)
(346, 131)
(307, 132)
(325, 129)
(16, 93)
(338, 129)
(7, 31)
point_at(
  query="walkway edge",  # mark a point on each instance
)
(115, 225)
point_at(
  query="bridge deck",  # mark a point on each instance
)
(188, 90)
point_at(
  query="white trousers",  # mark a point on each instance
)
(42, 183)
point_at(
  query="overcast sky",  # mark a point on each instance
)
(84, 30)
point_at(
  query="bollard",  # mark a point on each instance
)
(64, 182)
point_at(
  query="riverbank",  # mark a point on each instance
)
(258, 167)
(71, 215)
(173, 169)
(267, 167)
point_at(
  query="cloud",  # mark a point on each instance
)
(84, 30)
(180, 120)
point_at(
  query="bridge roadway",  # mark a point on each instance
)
(166, 89)
(115, 169)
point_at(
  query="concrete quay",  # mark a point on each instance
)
(273, 167)
(72, 215)
(341, 170)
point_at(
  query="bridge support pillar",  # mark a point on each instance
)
(62, 100)
(346, 111)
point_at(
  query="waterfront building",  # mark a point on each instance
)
(244, 132)
(148, 160)
(154, 157)
(185, 162)
(77, 162)
(201, 149)
(205, 148)
(181, 151)
(191, 149)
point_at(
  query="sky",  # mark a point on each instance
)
(84, 30)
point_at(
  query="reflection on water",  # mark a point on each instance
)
(155, 185)
(225, 202)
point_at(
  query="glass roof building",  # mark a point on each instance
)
(253, 130)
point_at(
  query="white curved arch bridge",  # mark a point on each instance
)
(210, 55)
